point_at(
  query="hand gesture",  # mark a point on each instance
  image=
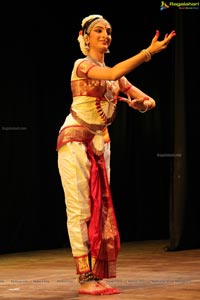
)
(142, 104)
(157, 46)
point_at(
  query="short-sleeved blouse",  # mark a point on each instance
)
(94, 101)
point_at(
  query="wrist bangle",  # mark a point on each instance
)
(143, 111)
(148, 55)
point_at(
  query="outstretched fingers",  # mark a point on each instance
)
(171, 35)
(156, 36)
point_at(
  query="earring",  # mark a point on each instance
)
(87, 46)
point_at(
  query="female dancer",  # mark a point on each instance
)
(83, 147)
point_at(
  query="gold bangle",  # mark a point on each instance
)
(148, 55)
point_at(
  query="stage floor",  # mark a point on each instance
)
(144, 271)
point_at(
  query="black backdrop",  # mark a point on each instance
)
(154, 155)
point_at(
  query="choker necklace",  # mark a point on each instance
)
(96, 61)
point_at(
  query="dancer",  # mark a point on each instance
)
(83, 147)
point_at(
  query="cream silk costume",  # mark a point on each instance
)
(83, 147)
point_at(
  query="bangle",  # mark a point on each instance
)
(143, 111)
(148, 55)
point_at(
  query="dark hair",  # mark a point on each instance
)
(87, 24)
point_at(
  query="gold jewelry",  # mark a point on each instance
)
(148, 55)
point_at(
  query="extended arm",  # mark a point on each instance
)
(133, 62)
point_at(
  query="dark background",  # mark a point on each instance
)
(155, 156)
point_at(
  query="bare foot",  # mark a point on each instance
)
(92, 288)
(110, 290)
